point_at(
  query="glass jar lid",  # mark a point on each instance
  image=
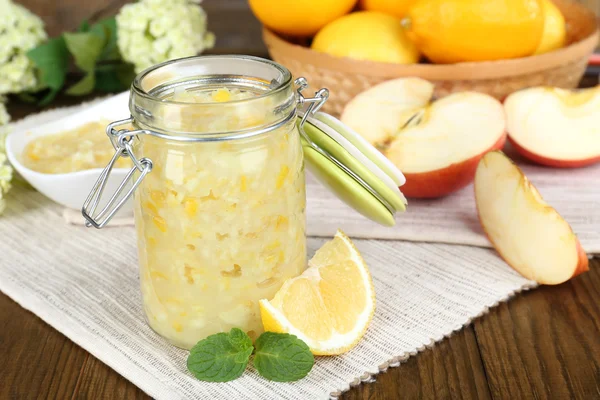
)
(337, 156)
(349, 166)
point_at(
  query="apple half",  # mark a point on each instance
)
(527, 233)
(555, 127)
(436, 144)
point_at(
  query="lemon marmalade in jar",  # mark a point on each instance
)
(218, 187)
(220, 218)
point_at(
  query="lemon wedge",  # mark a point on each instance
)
(330, 305)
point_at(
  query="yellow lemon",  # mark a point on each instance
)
(367, 35)
(330, 305)
(451, 31)
(554, 35)
(397, 8)
(299, 18)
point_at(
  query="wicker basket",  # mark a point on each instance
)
(345, 78)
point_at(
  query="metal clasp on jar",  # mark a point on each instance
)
(122, 142)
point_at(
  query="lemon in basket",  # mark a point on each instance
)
(555, 30)
(299, 18)
(330, 305)
(397, 8)
(452, 31)
(367, 35)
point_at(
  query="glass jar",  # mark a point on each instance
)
(218, 148)
(220, 219)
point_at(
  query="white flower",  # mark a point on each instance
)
(154, 31)
(20, 31)
(6, 171)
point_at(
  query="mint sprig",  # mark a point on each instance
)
(223, 357)
(282, 357)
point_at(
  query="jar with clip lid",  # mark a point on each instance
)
(218, 187)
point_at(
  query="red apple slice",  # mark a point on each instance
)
(382, 110)
(555, 127)
(439, 147)
(527, 233)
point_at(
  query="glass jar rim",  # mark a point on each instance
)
(138, 83)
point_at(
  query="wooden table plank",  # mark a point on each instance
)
(98, 381)
(452, 369)
(37, 361)
(545, 343)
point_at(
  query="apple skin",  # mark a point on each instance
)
(584, 263)
(441, 182)
(582, 259)
(549, 162)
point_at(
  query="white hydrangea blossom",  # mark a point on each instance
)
(6, 172)
(153, 31)
(20, 31)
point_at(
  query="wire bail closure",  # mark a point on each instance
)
(315, 103)
(122, 139)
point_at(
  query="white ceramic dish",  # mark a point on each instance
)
(71, 189)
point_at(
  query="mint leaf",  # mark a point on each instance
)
(84, 86)
(240, 339)
(282, 357)
(85, 47)
(52, 62)
(221, 357)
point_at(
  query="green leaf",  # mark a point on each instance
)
(52, 61)
(108, 81)
(84, 86)
(27, 97)
(282, 357)
(239, 339)
(114, 77)
(126, 74)
(47, 99)
(85, 47)
(107, 28)
(221, 357)
(84, 26)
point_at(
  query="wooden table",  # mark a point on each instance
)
(543, 344)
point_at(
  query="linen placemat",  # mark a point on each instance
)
(84, 282)
(575, 193)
